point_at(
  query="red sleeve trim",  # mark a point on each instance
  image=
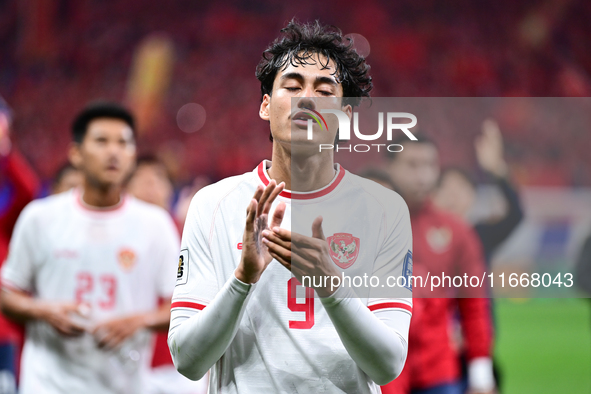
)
(388, 305)
(13, 287)
(184, 304)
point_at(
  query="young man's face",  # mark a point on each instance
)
(307, 83)
(455, 194)
(415, 171)
(106, 155)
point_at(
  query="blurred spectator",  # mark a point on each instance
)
(509, 49)
(18, 186)
(66, 178)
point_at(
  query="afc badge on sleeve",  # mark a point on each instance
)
(182, 273)
(407, 270)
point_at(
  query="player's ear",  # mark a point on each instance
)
(264, 110)
(74, 155)
(348, 109)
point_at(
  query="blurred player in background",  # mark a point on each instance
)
(18, 186)
(442, 243)
(151, 183)
(235, 308)
(86, 268)
(456, 191)
(67, 177)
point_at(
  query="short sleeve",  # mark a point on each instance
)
(393, 265)
(18, 270)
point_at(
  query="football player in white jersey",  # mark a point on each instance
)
(239, 307)
(86, 268)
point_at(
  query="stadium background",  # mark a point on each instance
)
(158, 57)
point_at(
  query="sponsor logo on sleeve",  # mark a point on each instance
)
(407, 270)
(182, 273)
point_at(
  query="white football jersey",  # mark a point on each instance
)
(117, 262)
(286, 343)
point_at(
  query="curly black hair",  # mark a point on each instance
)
(298, 44)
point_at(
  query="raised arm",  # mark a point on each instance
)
(490, 156)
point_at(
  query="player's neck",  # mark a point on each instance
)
(301, 173)
(101, 197)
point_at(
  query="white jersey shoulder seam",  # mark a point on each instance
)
(245, 178)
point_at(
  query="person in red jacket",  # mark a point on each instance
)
(18, 186)
(442, 244)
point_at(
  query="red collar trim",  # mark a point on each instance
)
(262, 171)
(115, 208)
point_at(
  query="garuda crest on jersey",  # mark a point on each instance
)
(344, 249)
(127, 259)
